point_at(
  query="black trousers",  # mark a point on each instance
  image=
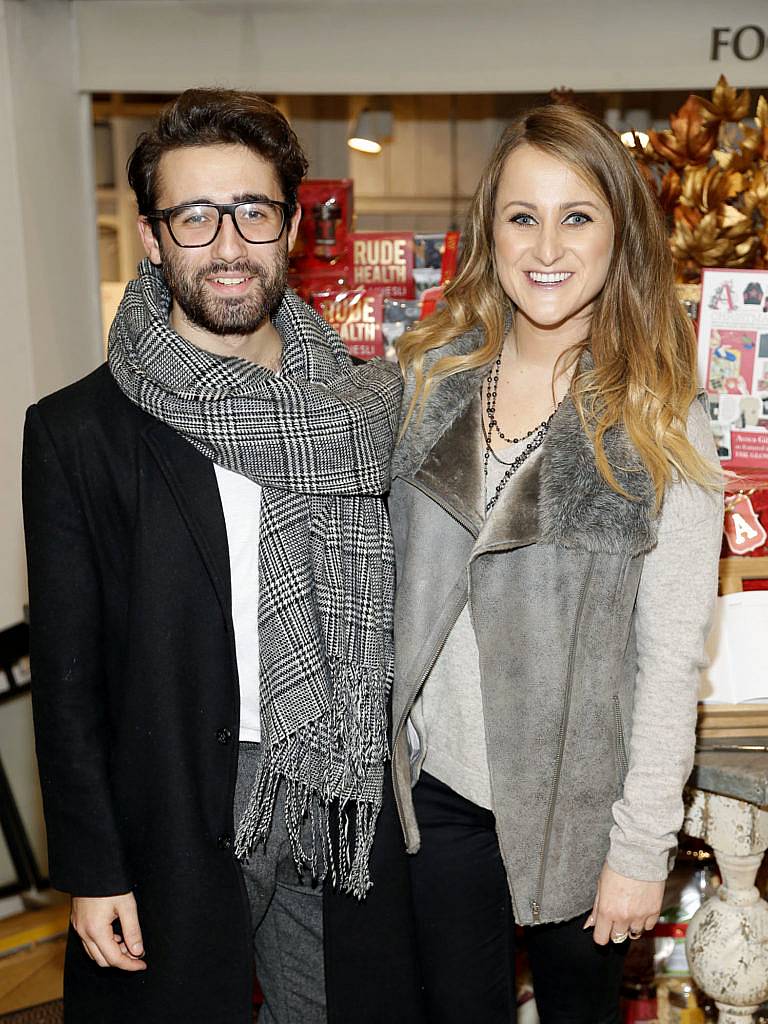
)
(372, 971)
(466, 931)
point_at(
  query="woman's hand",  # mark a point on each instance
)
(623, 906)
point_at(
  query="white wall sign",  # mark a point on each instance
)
(746, 43)
(448, 46)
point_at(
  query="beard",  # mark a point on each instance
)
(219, 314)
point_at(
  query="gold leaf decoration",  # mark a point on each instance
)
(709, 172)
(727, 103)
(708, 187)
(692, 137)
(720, 239)
(761, 120)
(670, 191)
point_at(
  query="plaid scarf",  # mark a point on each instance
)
(318, 438)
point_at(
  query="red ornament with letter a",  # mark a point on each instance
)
(744, 533)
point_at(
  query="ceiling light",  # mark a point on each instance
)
(369, 129)
(633, 138)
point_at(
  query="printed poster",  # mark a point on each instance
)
(733, 363)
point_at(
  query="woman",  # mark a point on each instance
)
(557, 519)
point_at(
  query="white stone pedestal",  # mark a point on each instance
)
(727, 939)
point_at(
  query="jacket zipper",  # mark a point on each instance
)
(460, 519)
(499, 837)
(536, 901)
(621, 746)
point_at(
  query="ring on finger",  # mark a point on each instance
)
(635, 933)
(619, 937)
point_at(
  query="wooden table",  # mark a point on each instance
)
(727, 939)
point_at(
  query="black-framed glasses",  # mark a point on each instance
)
(193, 225)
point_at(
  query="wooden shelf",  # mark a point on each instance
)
(733, 572)
(732, 720)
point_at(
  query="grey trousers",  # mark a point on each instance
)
(287, 916)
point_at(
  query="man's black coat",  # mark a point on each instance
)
(136, 701)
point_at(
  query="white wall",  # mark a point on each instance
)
(53, 132)
(16, 387)
(50, 328)
(48, 289)
(401, 46)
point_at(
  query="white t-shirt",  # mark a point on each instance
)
(241, 501)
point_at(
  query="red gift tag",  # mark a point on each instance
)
(743, 530)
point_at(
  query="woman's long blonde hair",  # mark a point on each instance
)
(642, 343)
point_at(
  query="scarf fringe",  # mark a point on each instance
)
(358, 720)
(355, 768)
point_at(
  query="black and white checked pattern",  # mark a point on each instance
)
(318, 438)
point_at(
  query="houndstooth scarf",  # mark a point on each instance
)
(318, 439)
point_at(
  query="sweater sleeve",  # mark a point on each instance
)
(675, 602)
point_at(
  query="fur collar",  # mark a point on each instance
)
(448, 400)
(559, 497)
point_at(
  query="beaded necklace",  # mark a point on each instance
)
(535, 437)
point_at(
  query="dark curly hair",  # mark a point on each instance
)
(211, 117)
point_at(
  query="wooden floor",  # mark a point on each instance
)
(32, 957)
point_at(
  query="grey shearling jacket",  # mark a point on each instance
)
(551, 580)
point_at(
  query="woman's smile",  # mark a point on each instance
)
(541, 280)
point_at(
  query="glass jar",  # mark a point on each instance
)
(686, 1003)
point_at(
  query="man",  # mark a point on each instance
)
(210, 583)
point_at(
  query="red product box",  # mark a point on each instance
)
(321, 258)
(382, 262)
(307, 283)
(357, 316)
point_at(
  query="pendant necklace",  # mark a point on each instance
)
(534, 437)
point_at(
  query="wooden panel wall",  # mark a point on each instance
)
(426, 173)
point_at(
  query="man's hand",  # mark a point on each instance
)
(624, 906)
(92, 918)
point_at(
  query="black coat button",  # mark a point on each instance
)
(223, 735)
(224, 842)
